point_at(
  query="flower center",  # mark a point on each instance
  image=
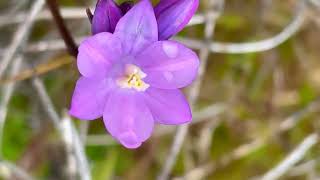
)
(133, 78)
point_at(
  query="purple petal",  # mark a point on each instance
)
(168, 106)
(106, 16)
(174, 15)
(138, 28)
(126, 6)
(168, 65)
(97, 53)
(127, 118)
(89, 98)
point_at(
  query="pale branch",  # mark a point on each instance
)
(245, 149)
(251, 47)
(295, 156)
(21, 35)
(9, 170)
(82, 162)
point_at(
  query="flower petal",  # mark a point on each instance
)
(97, 53)
(127, 118)
(138, 27)
(106, 16)
(174, 15)
(168, 106)
(168, 65)
(89, 98)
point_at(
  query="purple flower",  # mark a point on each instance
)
(132, 79)
(172, 15)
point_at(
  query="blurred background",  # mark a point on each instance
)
(256, 102)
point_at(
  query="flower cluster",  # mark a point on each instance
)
(130, 73)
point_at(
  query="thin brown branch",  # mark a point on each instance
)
(38, 70)
(89, 14)
(64, 32)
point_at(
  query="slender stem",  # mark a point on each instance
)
(89, 14)
(64, 32)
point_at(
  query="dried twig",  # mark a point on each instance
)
(259, 46)
(89, 14)
(292, 158)
(82, 162)
(20, 36)
(303, 168)
(315, 2)
(245, 149)
(75, 148)
(9, 170)
(64, 32)
(37, 70)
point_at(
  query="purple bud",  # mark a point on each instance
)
(106, 16)
(126, 6)
(174, 15)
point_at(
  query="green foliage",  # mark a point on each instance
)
(307, 94)
(16, 131)
(104, 169)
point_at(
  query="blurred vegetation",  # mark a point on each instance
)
(261, 90)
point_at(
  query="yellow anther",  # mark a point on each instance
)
(133, 79)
